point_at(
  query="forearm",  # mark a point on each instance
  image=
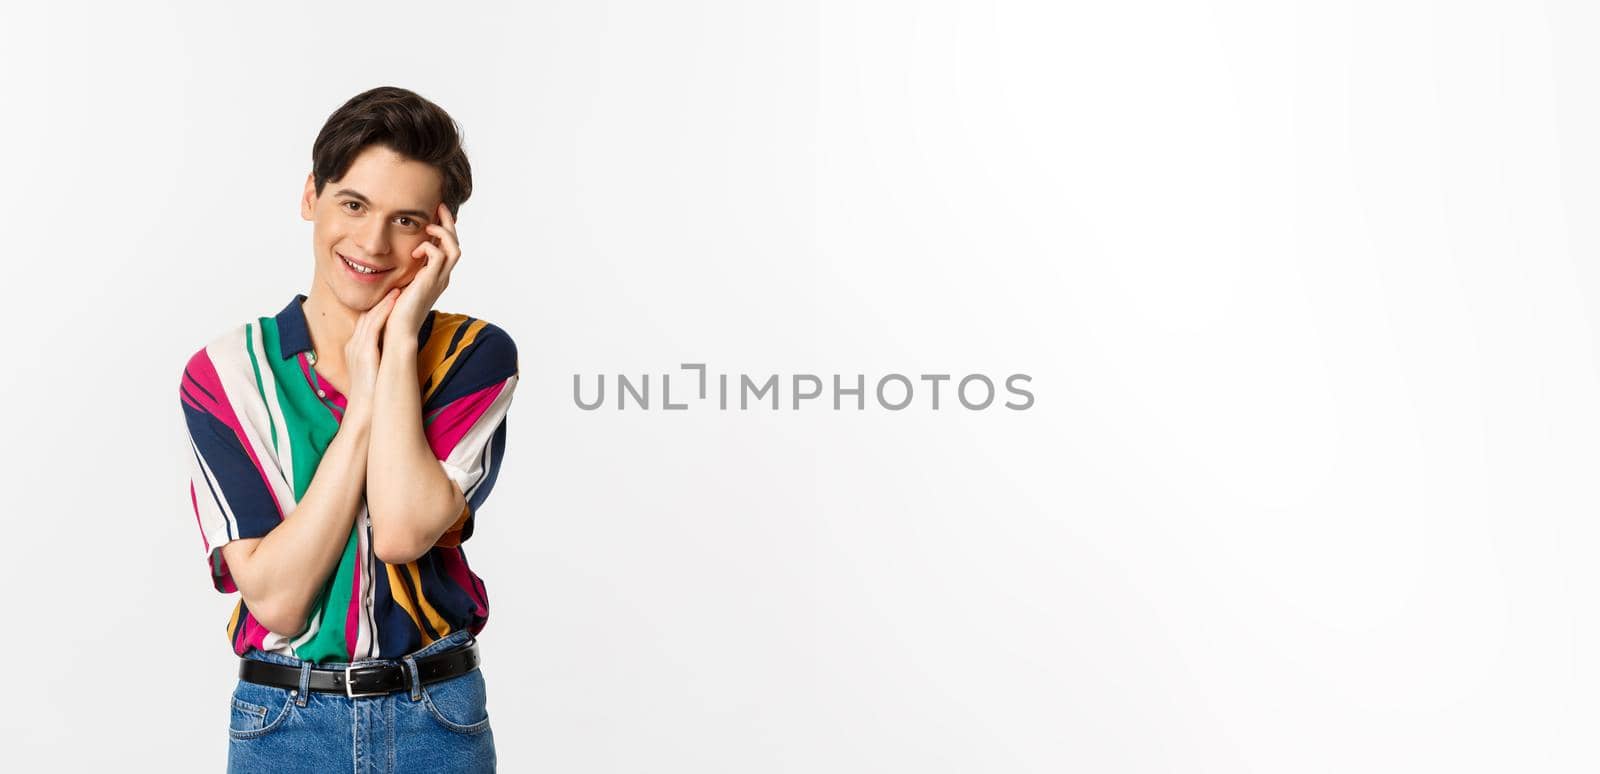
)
(409, 497)
(290, 564)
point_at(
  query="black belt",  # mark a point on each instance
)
(369, 679)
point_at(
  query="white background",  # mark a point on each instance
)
(1306, 291)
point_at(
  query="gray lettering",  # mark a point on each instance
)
(798, 395)
(961, 391)
(935, 379)
(578, 398)
(859, 392)
(624, 385)
(701, 367)
(744, 392)
(885, 403)
(1018, 391)
(666, 395)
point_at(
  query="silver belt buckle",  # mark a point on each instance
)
(348, 684)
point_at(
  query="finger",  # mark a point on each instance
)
(442, 251)
(380, 314)
(374, 308)
(450, 264)
(447, 238)
(366, 323)
(444, 220)
(435, 254)
(384, 306)
(447, 218)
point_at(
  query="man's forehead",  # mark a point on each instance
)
(382, 177)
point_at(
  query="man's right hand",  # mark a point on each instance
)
(364, 349)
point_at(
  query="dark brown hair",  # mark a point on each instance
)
(406, 123)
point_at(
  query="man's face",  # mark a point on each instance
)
(373, 216)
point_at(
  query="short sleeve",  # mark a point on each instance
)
(467, 430)
(227, 489)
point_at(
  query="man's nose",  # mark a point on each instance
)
(374, 237)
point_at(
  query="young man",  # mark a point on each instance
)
(340, 451)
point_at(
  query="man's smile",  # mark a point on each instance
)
(362, 269)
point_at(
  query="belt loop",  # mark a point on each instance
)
(305, 683)
(416, 680)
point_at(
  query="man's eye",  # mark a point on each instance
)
(357, 205)
(408, 222)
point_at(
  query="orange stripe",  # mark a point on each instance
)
(434, 361)
(435, 358)
(433, 615)
(402, 596)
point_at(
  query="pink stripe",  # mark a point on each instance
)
(454, 420)
(196, 503)
(455, 565)
(226, 578)
(204, 373)
(254, 633)
(352, 617)
(318, 383)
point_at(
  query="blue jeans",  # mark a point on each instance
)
(437, 728)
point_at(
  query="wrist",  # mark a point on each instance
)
(358, 411)
(401, 337)
(398, 324)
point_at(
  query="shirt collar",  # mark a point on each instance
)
(294, 337)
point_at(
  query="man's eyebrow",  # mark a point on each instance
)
(354, 194)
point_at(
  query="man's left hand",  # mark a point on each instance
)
(439, 256)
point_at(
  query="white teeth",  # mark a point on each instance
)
(356, 267)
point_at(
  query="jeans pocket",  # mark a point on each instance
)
(459, 704)
(257, 710)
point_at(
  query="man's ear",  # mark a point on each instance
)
(308, 198)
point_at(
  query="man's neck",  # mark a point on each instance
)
(330, 324)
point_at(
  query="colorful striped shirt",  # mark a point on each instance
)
(259, 418)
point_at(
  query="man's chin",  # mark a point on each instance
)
(356, 296)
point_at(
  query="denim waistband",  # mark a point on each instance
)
(451, 641)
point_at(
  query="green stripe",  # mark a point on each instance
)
(311, 427)
(249, 348)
